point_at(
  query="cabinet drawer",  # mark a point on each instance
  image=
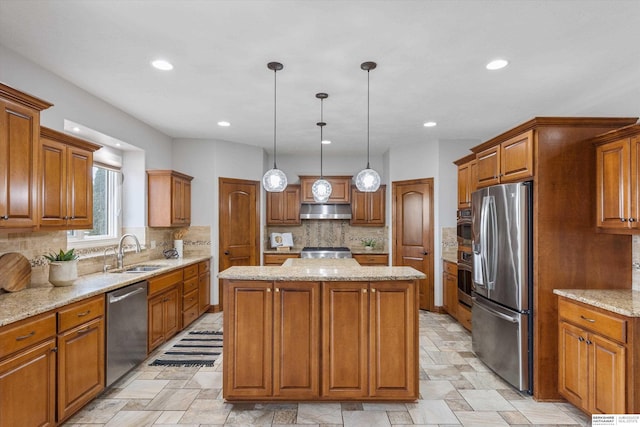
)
(593, 320)
(364, 259)
(277, 259)
(190, 299)
(189, 285)
(76, 314)
(190, 271)
(189, 316)
(451, 268)
(160, 283)
(204, 266)
(26, 333)
(464, 316)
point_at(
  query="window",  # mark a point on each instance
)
(107, 202)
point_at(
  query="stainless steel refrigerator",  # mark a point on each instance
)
(502, 323)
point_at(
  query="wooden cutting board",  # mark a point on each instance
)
(15, 272)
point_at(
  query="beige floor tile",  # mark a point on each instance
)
(365, 418)
(486, 400)
(134, 419)
(319, 413)
(206, 411)
(431, 412)
(173, 400)
(170, 417)
(205, 380)
(399, 418)
(98, 411)
(438, 390)
(481, 419)
(542, 412)
(142, 389)
(255, 417)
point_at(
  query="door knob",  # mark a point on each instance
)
(425, 253)
(226, 252)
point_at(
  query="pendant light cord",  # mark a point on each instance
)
(275, 95)
(321, 126)
(368, 115)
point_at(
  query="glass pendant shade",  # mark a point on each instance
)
(321, 190)
(274, 180)
(367, 180)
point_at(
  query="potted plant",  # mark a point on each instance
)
(63, 267)
(369, 243)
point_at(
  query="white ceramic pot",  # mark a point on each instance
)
(368, 248)
(63, 273)
(178, 245)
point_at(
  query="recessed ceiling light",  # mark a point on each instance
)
(224, 124)
(497, 64)
(76, 129)
(162, 64)
(326, 142)
(429, 124)
(117, 144)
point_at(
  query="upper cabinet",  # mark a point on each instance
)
(467, 179)
(66, 190)
(19, 134)
(169, 198)
(617, 180)
(283, 208)
(508, 161)
(340, 188)
(368, 209)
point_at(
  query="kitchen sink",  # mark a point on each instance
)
(143, 268)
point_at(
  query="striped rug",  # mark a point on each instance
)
(194, 349)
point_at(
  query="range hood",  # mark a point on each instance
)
(324, 211)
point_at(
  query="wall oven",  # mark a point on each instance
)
(464, 227)
(465, 276)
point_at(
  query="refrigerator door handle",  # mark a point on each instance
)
(491, 246)
(493, 312)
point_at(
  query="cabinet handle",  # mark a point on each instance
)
(84, 331)
(277, 289)
(24, 337)
(84, 313)
(580, 339)
(268, 290)
(632, 220)
(226, 252)
(589, 342)
(364, 291)
(587, 319)
(373, 291)
(54, 350)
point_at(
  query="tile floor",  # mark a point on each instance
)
(456, 390)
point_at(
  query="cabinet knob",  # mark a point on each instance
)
(580, 339)
(5, 217)
(623, 219)
(632, 220)
(425, 253)
(589, 342)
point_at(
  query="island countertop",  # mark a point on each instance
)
(621, 301)
(320, 270)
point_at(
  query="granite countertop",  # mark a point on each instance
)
(321, 270)
(35, 300)
(621, 301)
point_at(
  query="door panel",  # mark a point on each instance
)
(413, 232)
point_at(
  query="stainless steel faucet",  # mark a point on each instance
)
(120, 255)
(106, 267)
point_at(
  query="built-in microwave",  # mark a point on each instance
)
(464, 227)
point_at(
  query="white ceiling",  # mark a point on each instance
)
(567, 58)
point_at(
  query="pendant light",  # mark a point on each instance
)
(368, 180)
(274, 180)
(321, 189)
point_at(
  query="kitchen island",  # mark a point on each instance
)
(320, 330)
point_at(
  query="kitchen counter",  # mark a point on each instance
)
(32, 301)
(321, 270)
(622, 301)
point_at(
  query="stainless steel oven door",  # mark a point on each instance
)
(465, 283)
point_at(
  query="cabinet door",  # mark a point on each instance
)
(80, 366)
(345, 328)
(172, 312)
(488, 167)
(204, 292)
(18, 165)
(516, 158)
(283, 208)
(275, 207)
(634, 176)
(606, 376)
(155, 310)
(450, 291)
(80, 188)
(177, 201)
(28, 387)
(359, 207)
(248, 339)
(464, 178)
(393, 340)
(53, 192)
(296, 352)
(612, 191)
(186, 202)
(368, 209)
(573, 370)
(340, 188)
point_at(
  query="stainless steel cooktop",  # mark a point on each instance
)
(325, 252)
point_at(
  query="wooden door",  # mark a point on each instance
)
(296, 341)
(53, 187)
(239, 224)
(573, 372)
(80, 188)
(345, 328)
(248, 339)
(413, 232)
(28, 387)
(393, 340)
(612, 190)
(606, 376)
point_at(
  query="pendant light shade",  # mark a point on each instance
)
(321, 189)
(274, 180)
(368, 180)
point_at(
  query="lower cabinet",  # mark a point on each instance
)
(450, 288)
(320, 341)
(595, 360)
(164, 307)
(372, 259)
(204, 286)
(278, 259)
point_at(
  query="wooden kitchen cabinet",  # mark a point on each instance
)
(81, 355)
(368, 209)
(19, 135)
(169, 198)
(594, 368)
(374, 351)
(467, 179)
(618, 180)
(340, 188)
(278, 259)
(283, 208)
(190, 295)
(66, 189)
(164, 302)
(28, 372)
(509, 161)
(450, 288)
(372, 259)
(204, 286)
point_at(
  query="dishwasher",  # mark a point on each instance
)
(126, 330)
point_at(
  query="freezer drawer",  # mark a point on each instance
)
(500, 339)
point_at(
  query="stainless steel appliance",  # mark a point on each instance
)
(325, 211)
(325, 252)
(465, 276)
(502, 312)
(464, 225)
(126, 330)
